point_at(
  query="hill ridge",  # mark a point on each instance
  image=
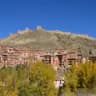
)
(50, 39)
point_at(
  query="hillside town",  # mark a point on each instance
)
(47, 47)
(12, 56)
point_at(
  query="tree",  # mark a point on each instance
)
(81, 75)
(42, 77)
(71, 78)
(8, 82)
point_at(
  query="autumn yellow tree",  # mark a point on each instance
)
(82, 75)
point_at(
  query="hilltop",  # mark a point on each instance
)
(53, 39)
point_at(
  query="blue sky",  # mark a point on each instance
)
(77, 16)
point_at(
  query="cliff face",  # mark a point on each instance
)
(44, 39)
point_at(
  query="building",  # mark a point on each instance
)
(12, 56)
(92, 56)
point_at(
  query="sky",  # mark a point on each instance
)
(76, 16)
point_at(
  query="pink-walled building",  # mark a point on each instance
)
(12, 56)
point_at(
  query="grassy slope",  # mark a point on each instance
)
(40, 38)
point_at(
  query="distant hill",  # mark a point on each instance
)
(45, 39)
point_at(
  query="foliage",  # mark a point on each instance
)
(81, 76)
(42, 78)
(67, 92)
(27, 80)
(37, 79)
(71, 78)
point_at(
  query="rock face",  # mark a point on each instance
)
(44, 39)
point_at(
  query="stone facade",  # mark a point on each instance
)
(11, 56)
